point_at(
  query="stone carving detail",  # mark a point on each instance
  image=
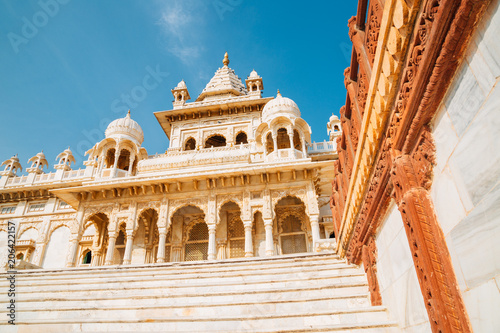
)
(369, 257)
(441, 30)
(54, 224)
(142, 206)
(179, 203)
(373, 29)
(284, 212)
(23, 226)
(430, 254)
(298, 192)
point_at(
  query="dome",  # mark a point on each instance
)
(334, 118)
(181, 85)
(253, 75)
(280, 106)
(125, 128)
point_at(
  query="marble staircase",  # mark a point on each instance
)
(294, 293)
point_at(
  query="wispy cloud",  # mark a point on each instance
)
(181, 20)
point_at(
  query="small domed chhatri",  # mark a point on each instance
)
(125, 128)
(280, 106)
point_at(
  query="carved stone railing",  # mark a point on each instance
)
(284, 155)
(322, 147)
(175, 158)
(25, 243)
(74, 174)
(325, 245)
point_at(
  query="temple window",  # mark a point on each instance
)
(110, 158)
(282, 139)
(241, 138)
(296, 140)
(124, 159)
(190, 144)
(269, 143)
(87, 258)
(36, 207)
(215, 141)
(8, 210)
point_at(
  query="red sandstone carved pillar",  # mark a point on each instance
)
(369, 257)
(411, 176)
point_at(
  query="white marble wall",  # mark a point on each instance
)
(397, 277)
(466, 187)
(57, 248)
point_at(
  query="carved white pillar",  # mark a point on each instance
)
(275, 141)
(222, 250)
(70, 262)
(212, 248)
(73, 247)
(160, 257)
(111, 249)
(128, 248)
(176, 253)
(304, 150)
(131, 163)
(290, 136)
(268, 224)
(248, 240)
(117, 156)
(315, 229)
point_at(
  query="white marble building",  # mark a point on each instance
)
(241, 178)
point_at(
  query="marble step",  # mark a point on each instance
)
(185, 268)
(168, 275)
(226, 282)
(134, 309)
(372, 317)
(314, 297)
(376, 327)
(109, 292)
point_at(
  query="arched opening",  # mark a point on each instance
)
(292, 225)
(121, 241)
(283, 140)
(20, 256)
(241, 138)
(197, 242)
(259, 238)
(188, 241)
(215, 141)
(332, 235)
(190, 144)
(146, 238)
(57, 248)
(124, 160)
(95, 237)
(110, 158)
(230, 232)
(296, 140)
(87, 258)
(269, 143)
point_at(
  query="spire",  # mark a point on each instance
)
(226, 60)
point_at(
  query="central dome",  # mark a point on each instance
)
(126, 128)
(280, 106)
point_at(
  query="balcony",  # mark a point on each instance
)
(175, 158)
(115, 173)
(284, 155)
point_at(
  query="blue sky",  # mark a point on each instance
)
(69, 67)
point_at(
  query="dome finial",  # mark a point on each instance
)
(278, 93)
(128, 113)
(226, 60)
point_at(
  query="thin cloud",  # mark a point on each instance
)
(180, 21)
